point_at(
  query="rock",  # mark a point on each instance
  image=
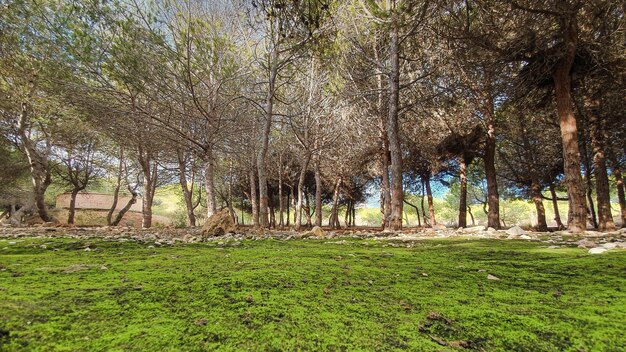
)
(525, 237)
(492, 277)
(317, 231)
(491, 229)
(218, 224)
(439, 227)
(611, 245)
(474, 229)
(516, 231)
(585, 243)
(597, 250)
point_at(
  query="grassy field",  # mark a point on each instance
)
(309, 295)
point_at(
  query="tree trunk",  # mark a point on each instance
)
(431, 205)
(569, 130)
(589, 188)
(621, 196)
(253, 196)
(397, 193)
(72, 210)
(209, 187)
(493, 216)
(281, 206)
(469, 210)
(541, 212)
(463, 194)
(334, 217)
(426, 219)
(187, 193)
(289, 204)
(301, 178)
(116, 191)
(555, 206)
(318, 194)
(39, 166)
(605, 218)
(262, 156)
(125, 209)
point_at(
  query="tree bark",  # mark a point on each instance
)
(72, 210)
(303, 169)
(605, 218)
(253, 195)
(541, 212)
(493, 216)
(262, 156)
(397, 193)
(589, 187)
(334, 217)
(621, 196)
(281, 206)
(149, 171)
(187, 193)
(555, 206)
(569, 130)
(463, 194)
(125, 209)
(431, 205)
(318, 194)
(209, 187)
(116, 191)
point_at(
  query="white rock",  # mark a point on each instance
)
(492, 277)
(474, 229)
(597, 250)
(525, 237)
(515, 230)
(611, 245)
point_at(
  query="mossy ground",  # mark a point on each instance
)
(309, 295)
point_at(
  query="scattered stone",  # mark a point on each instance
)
(424, 274)
(597, 250)
(492, 277)
(103, 267)
(482, 270)
(87, 249)
(516, 231)
(525, 237)
(439, 227)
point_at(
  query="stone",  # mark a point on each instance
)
(492, 277)
(597, 250)
(218, 224)
(525, 237)
(317, 231)
(516, 230)
(439, 227)
(474, 229)
(611, 245)
(585, 243)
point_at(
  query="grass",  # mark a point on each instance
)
(309, 295)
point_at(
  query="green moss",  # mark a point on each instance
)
(309, 295)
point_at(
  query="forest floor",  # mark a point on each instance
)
(163, 289)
